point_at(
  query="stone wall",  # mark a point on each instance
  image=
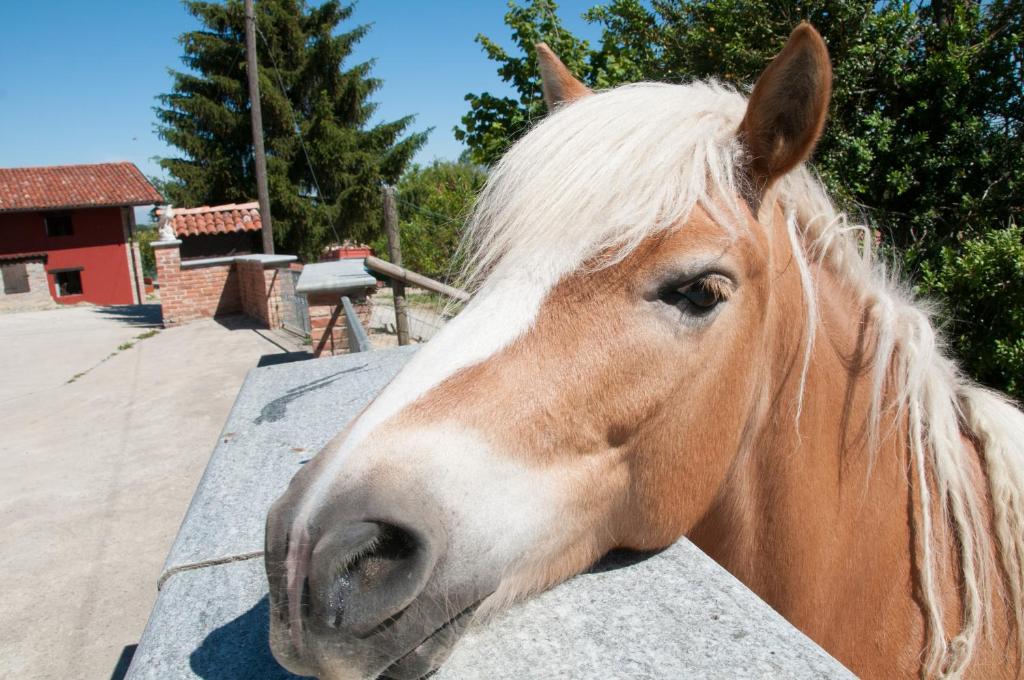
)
(38, 282)
(138, 274)
(38, 285)
(197, 289)
(321, 307)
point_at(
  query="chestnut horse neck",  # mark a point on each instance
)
(879, 450)
(818, 516)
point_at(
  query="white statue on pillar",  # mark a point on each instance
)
(166, 230)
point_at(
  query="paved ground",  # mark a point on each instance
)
(96, 474)
(10, 304)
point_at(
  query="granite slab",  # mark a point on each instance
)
(672, 614)
(282, 416)
(675, 614)
(337, 276)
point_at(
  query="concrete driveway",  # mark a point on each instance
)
(96, 473)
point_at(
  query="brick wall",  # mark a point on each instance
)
(241, 285)
(194, 293)
(321, 307)
(260, 290)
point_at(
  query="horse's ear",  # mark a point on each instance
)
(787, 108)
(558, 84)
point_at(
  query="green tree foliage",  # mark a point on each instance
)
(433, 204)
(925, 128)
(306, 86)
(495, 122)
(982, 285)
(145, 234)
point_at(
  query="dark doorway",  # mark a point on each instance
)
(15, 277)
(68, 282)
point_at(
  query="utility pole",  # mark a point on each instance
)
(257, 127)
(395, 252)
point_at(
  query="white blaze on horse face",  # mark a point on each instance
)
(501, 517)
(501, 312)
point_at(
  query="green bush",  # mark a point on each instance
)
(145, 234)
(981, 286)
(923, 136)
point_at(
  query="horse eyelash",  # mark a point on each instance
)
(716, 284)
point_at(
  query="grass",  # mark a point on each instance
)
(120, 348)
(435, 302)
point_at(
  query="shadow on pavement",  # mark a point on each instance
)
(123, 662)
(143, 316)
(238, 322)
(239, 650)
(283, 358)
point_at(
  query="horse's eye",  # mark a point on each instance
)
(701, 294)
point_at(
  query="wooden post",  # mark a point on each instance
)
(395, 252)
(257, 127)
(394, 272)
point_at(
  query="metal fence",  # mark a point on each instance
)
(295, 308)
(427, 314)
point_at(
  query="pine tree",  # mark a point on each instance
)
(324, 184)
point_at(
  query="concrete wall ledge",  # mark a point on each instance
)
(674, 614)
(165, 244)
(207, 262)
(340, 277)
(266, 260)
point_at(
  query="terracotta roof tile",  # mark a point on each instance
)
(217, 219)
(75, 186)
(17, 257)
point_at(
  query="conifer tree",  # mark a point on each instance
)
(323, 182)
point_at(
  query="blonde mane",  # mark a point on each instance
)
(608, 171)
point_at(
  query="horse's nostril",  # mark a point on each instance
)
(364, 575)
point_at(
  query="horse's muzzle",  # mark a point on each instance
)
(355, 598)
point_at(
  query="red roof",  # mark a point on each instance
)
(218, 219)
(17, 257)
(75, 186)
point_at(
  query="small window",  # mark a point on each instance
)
(58, 225)
(68, 283)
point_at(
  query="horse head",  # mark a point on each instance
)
(630, 370)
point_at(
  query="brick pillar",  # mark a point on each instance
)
(261, 285)
(252, 284)
(168, 273)
(274, 285)
(321, 307)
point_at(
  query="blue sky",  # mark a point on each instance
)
(79, 78)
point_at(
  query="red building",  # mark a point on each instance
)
(76, 224)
